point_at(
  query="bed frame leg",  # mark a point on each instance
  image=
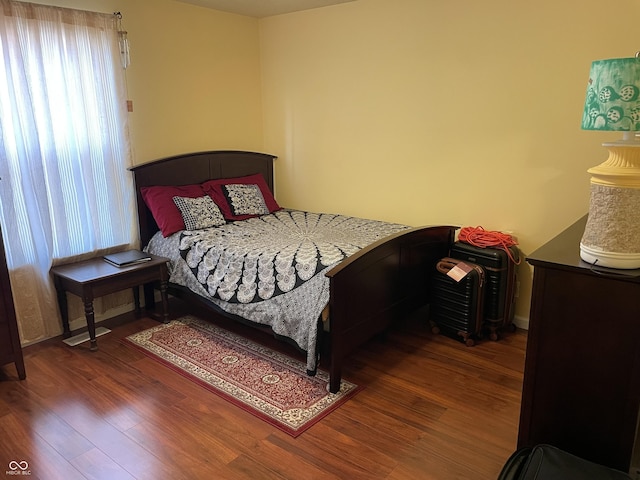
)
(334, 382)
(319, 331)
(312, 373)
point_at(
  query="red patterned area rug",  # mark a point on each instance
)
(266, 383)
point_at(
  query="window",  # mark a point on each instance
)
(65, 189)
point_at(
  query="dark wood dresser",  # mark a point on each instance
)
(10, 350)
(581, 388)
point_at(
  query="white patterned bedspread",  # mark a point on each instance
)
(270, 269)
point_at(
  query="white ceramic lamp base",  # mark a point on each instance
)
(609, 259)
(612, 235)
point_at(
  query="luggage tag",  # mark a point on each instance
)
(459, 271)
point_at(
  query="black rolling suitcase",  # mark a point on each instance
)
(545, 462)
(456, 306)
(500, 288)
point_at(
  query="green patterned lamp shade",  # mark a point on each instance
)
(613, 95)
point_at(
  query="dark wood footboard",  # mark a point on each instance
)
(378, 285)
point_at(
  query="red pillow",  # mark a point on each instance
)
(214, 189)
(159, 199)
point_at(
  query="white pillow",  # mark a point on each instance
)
(245, 199)
(199, 212)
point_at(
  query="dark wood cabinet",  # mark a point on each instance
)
(581, 388)
(10, 350)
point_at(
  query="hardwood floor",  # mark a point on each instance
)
(431, 408)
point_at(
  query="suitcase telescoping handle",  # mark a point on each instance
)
(446, 264)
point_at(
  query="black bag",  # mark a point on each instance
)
(545, 462)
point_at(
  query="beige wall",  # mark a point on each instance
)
(424, 111)
(194, 79)
(415, 111)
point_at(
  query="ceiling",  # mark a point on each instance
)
(263, 8)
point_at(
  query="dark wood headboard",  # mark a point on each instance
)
(194, 168)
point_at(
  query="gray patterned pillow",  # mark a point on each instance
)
(199, 212)
(245, 199)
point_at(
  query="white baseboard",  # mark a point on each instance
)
(521, 322)
(84, 337)
(78, 323)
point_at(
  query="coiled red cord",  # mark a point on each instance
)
(479, 237)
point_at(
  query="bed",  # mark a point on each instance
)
(367, 290)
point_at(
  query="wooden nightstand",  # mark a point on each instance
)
(96, 277)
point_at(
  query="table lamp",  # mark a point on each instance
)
(612, 234)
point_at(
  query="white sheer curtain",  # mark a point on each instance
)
(65, 189)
